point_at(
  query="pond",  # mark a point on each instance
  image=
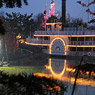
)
(62, 69)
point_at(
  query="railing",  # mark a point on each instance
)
(71, 53)
(84, 32)
(35, 41)
(80, 53)
(82, 43)
(60, 51)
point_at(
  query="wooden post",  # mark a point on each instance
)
(76, 76)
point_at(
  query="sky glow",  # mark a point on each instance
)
(38, 6)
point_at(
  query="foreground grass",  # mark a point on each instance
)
(17, 70)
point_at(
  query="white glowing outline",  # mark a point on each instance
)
(53, 42)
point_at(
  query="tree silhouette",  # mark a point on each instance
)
(20, 23)
(23, 84)
(12, 3)
(2, 30)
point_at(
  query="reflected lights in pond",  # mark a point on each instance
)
(49, 67)
(65, 75)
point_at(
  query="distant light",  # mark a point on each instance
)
(18, 36)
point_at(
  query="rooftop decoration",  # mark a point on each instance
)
(51, 13)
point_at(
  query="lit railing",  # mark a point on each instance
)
(82, 43)
(46, 33)
(67, 32)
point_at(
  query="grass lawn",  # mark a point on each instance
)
(17, 70)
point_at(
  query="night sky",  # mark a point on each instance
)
(38, 6)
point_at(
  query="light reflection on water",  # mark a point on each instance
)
(56, 67)
(63, 70)
(63, 67)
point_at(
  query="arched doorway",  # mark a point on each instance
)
(57, 47)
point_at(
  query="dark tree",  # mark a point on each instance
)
(12, 3)
(2, 30)
(20, 23)
(23, 84)
(38, 20)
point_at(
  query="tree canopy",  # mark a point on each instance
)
(23, 84)
(20, 23)
(12, 3)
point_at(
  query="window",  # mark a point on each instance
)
(73, 38)
(72, 48)
(79, 49)
(46, 38)
(80, 38)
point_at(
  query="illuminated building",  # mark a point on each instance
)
(74, 41)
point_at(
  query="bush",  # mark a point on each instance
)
(23, 84)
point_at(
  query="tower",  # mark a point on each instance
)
(63, 13)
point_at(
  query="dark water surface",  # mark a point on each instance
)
(62, 69)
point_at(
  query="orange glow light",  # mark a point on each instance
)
(80, 81)
(81, 45)
(40, 35)
(53, 73)
(18, 36)
(36, 44)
